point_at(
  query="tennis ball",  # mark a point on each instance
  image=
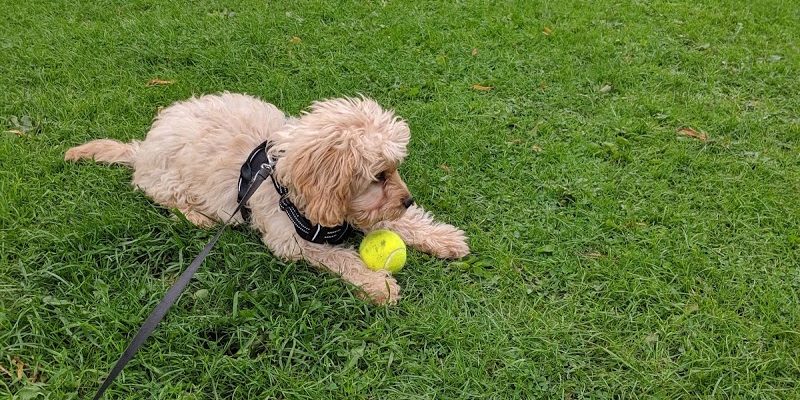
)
(383, 249)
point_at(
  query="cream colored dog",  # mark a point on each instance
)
(339, 162)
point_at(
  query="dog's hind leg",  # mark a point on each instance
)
(197, 218)
(105, 151)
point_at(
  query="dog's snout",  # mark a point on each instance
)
(408, 201)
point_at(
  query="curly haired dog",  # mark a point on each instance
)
(338, 161)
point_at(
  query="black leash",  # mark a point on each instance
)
(177, 288)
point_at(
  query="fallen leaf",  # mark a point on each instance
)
(546, 249)
(29, 392)
(547, 31)
(21, 126)
(606, 89)
(20, 365)
(295, 40)
(536, 148)
(445, 168)
(689, 132)
(50, 300)
(25, 122)
(482, 88)
(474, 52)
(225, 13)
(159, 82)
(459, 265)
(704, 46)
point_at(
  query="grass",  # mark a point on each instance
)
(613, 257)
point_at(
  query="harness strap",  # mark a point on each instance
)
(314, 233)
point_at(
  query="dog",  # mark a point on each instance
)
(336, 164)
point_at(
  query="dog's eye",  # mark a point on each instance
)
(381, 176)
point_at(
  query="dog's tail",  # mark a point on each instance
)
(105, 151)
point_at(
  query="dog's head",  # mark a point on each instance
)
(340, 159)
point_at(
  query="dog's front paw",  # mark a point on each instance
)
(447, 242)
(382, 290)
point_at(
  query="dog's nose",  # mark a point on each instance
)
(408, 201)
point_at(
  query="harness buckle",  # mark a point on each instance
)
(266, 168)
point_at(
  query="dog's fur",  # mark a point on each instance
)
(339, 161)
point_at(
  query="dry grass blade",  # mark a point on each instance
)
(7, 372)
(159, 82)
(20, 366)
(16, 132)
(689, 132)
(482, 88)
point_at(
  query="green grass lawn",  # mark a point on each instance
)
(614, 256)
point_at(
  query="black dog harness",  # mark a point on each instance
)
(314, 233)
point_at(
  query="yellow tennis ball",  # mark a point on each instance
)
(383, 249)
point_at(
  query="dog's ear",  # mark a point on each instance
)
(321, 177)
